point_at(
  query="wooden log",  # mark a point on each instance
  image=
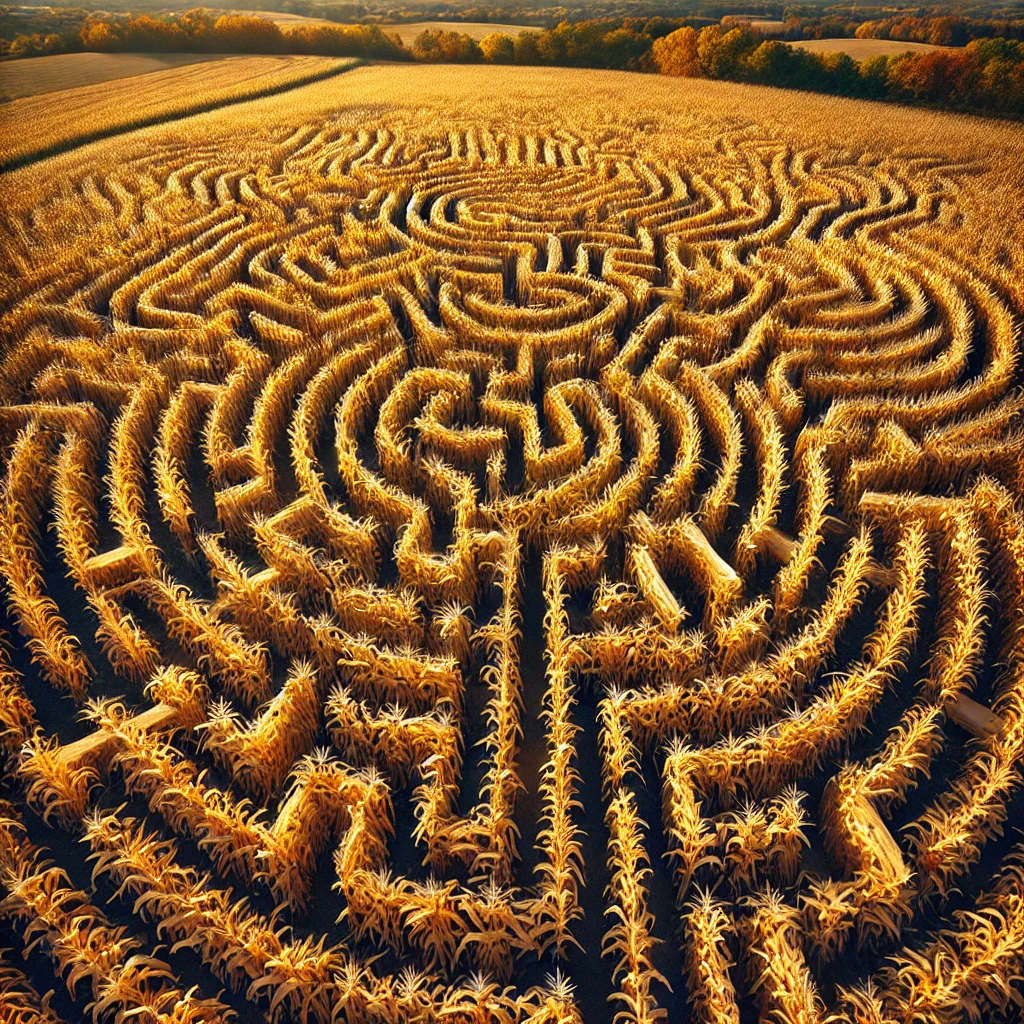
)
(925, 504)
(101, 745)
(265, 577)
(299, 513)
(159, 716)
(722, 584)
(870, 840)
(977, 719)
(779, 545)
(716, 567)
(114, 568)
(892, 439)
(882, 843)
(836, 527)
(882, 576)
(654, 588)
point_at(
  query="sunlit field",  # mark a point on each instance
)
(406, 31)
(41, 125)
(862, 49)
(511, 545)
(72, 70)
(474, 29)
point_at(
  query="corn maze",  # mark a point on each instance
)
(494, 576)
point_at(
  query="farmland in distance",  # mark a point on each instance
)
(863, 49)
(37, 75)
(37, 126)
(406, 31)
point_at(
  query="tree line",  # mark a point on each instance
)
(941, 30)
(202, 31)
(935, 29)
(984, 76)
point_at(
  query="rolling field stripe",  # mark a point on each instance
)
(66, 145)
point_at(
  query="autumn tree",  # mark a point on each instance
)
(242, 34)
(440, 46)
(498, 48)
(676, 54)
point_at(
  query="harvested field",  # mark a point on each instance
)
(515, 547)
(39, 126)
(862, 49)
(406, 32)
(767, 26)
(283, 18)
(474, 29)
(34, 76)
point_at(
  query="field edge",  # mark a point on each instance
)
(177, 114)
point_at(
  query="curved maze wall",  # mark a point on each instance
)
(389, 532)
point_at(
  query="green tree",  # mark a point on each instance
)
(839, 74)
(621, 49)
(525, 48)
(874, 75)
(439, 46)
(722, 53)
(498, 48)
(772, 63)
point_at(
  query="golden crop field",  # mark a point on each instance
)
(862, 49)
(41, 125)
(512, 546)
(283, 18)
(33, 76)
(406, 31)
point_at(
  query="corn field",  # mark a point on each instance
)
(506, 574)
(39, 126)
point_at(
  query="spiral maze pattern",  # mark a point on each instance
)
(298, 486)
